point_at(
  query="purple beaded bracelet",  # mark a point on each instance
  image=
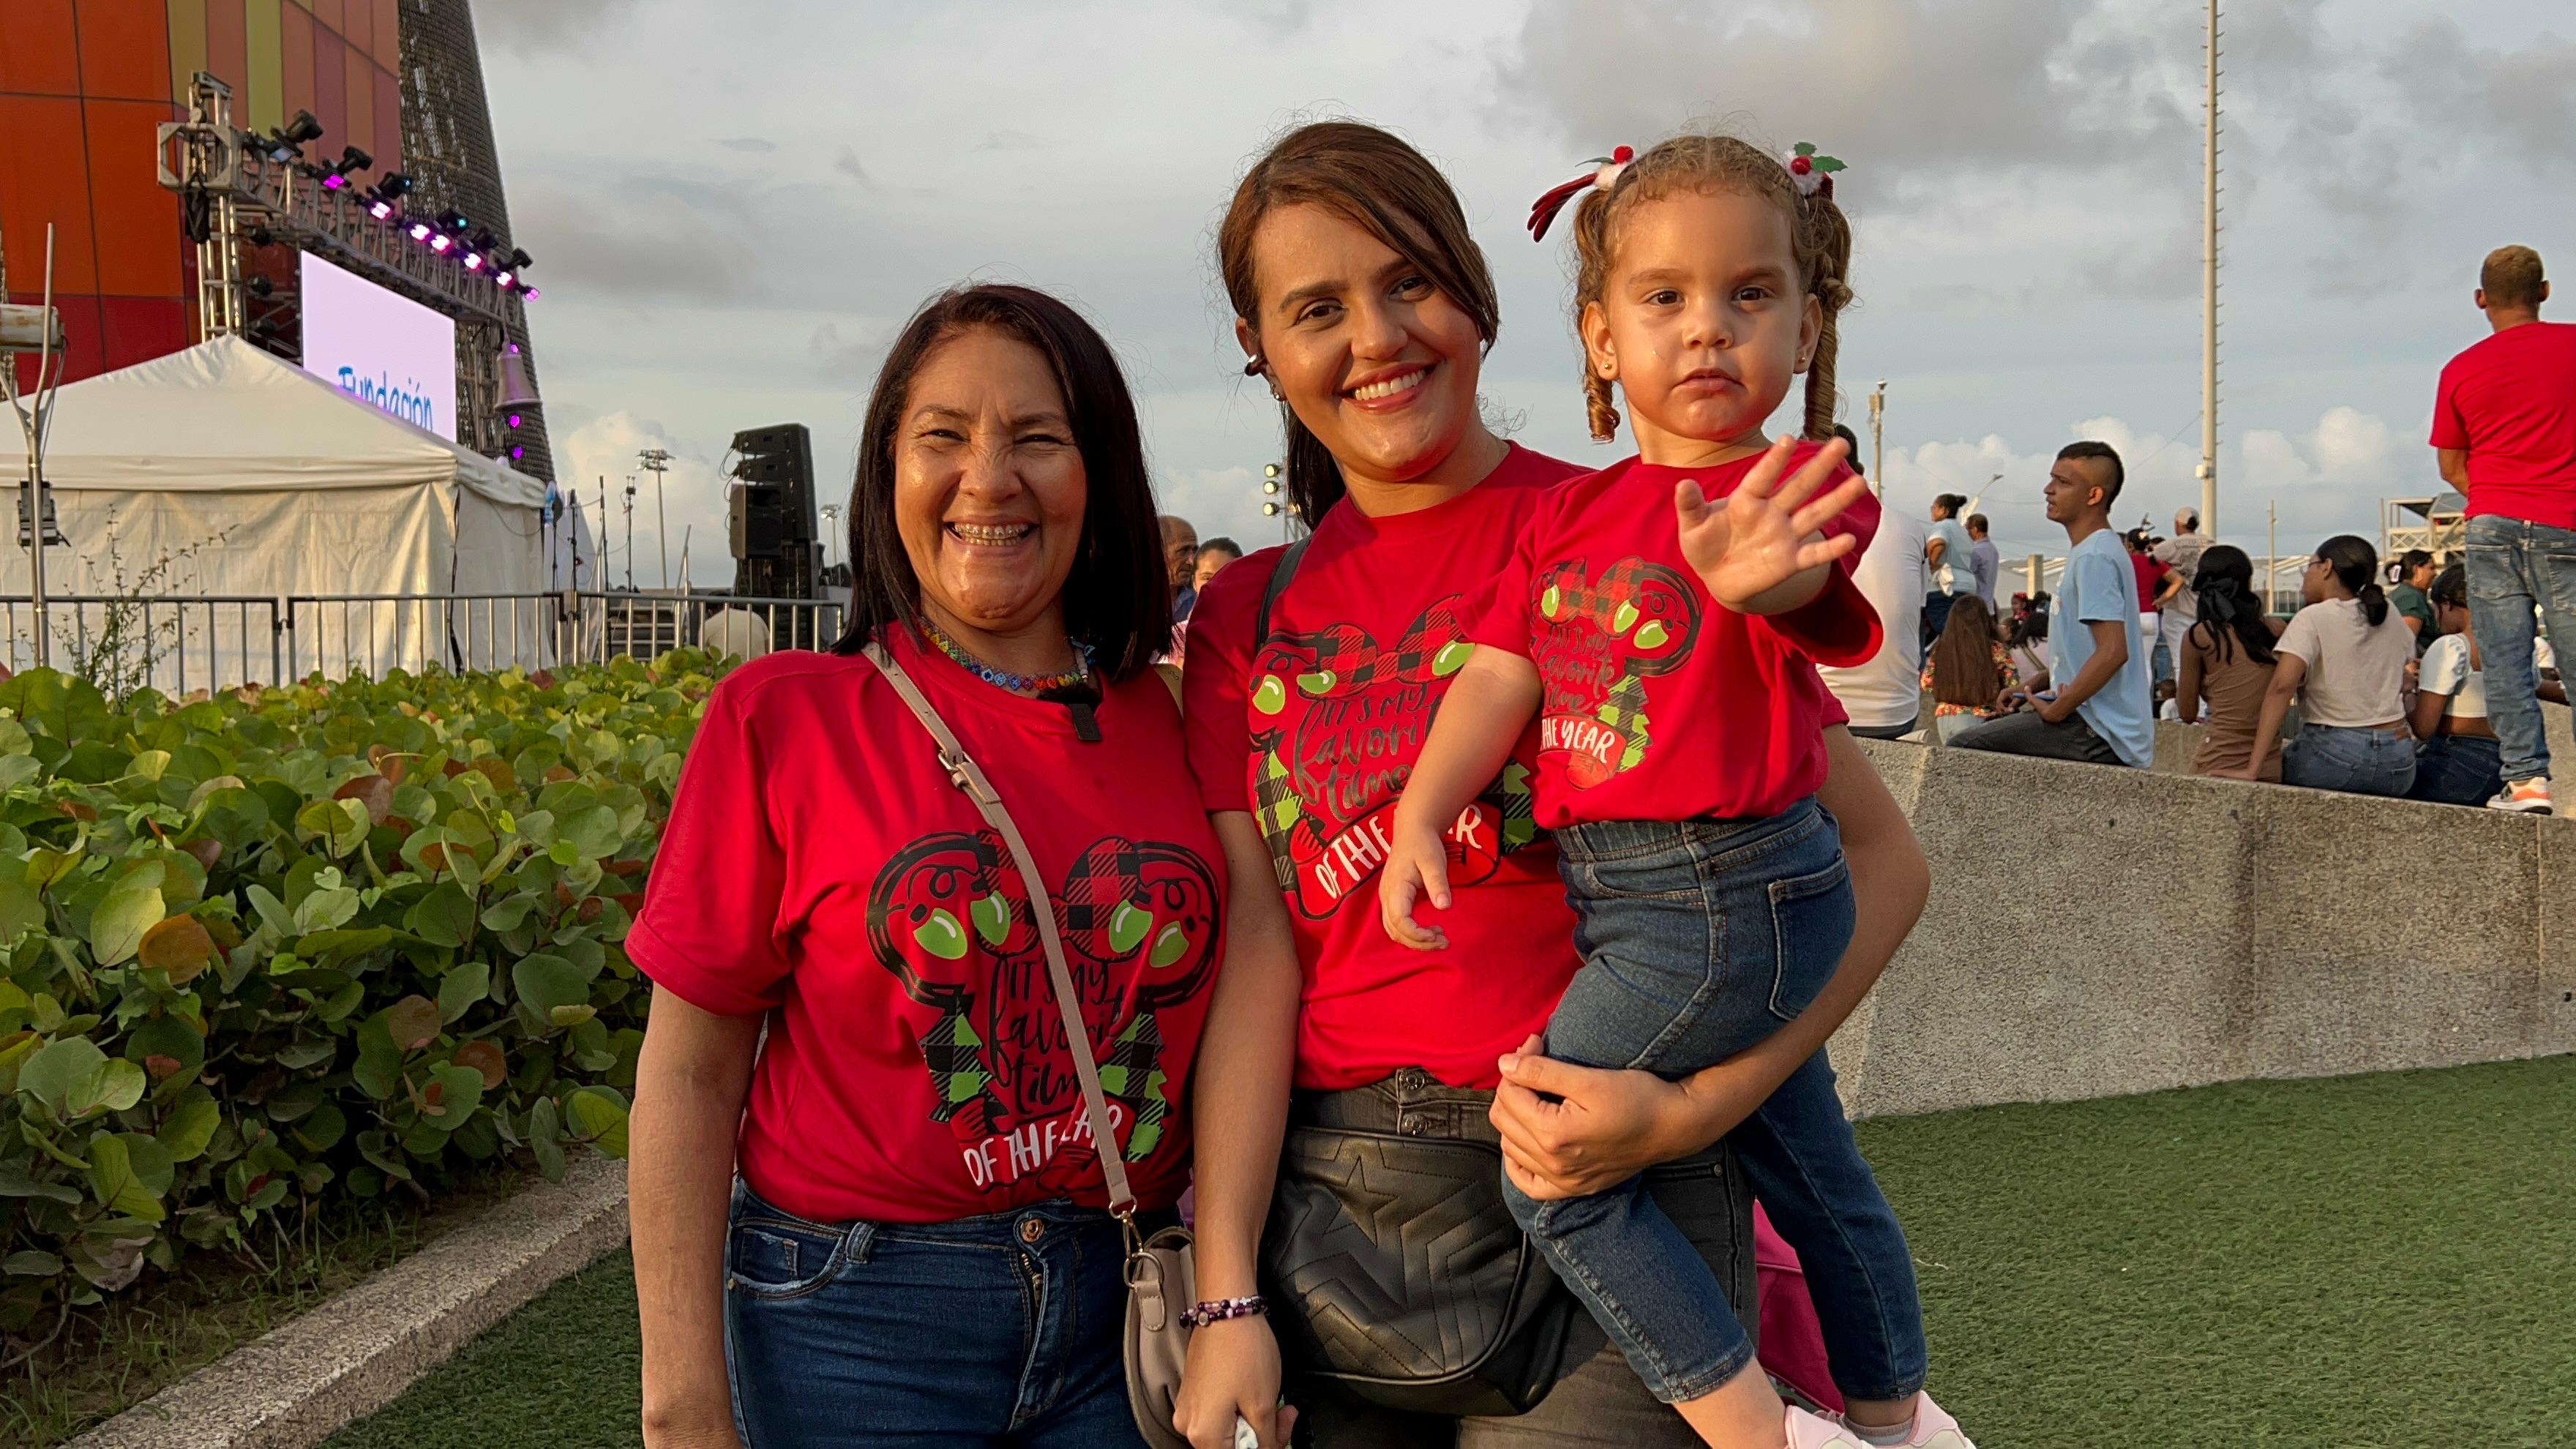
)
(1218, 1310)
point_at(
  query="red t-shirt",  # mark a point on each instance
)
(1659, 703)
(819, 863)
(1316, 738)
(2151, 577)
(2510, 402)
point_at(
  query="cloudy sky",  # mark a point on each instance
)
(732, 207)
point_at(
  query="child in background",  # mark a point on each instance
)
(1663, 619)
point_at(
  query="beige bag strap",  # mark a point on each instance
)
(969, 777)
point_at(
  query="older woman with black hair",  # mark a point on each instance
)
(887, 1225)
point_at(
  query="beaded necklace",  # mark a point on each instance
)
(1080, 673)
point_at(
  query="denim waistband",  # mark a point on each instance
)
(1414, 1103)
(982, 1228)
(1595, 840)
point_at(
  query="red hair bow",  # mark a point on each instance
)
(1604, 174)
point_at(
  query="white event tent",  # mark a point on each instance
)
(223, 471)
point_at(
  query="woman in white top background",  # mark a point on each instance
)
(2343, 659)
(2458, 763)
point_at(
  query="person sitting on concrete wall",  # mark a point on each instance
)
(2343, 659)
(2026, 640)
(2459, 762)
(2226, 664)
(2415, 571)
(2504, 425)
(1969, 672)
(2100, 710)
(1881, 696)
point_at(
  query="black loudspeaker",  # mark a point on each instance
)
(758, 522)
(771, 526)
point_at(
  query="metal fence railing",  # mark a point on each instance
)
(182, 644)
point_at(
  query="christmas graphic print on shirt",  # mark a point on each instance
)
(1657, 702)
(819, 865)
(1338, 719)
(1315, 730)
(950, 917)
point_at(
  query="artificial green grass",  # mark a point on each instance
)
(2357, 1263)
(563, 1372)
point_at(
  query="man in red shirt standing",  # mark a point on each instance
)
(2504, 421)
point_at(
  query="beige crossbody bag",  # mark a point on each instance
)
(1161, 1276)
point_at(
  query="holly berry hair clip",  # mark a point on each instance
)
(1812, 174)
(1604, 174)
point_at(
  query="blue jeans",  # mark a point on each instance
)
(2355, 761)
(1003, 1329)
(2514, 569)
(2457, 770)
(1699, 939)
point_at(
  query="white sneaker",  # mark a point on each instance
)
(1814, 1431)
(2524, 797)
(1933, 1429)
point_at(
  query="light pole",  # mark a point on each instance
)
(630, 533)
(2209, 306)
(1878, 436)
(658, 461)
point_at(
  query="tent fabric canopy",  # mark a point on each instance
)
(224, 416)
(221, 470)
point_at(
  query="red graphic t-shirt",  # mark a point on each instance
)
(2509, 401)
(818, 862)
(1315, 734)
(1659, 703)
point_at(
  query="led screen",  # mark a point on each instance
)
(386, 351)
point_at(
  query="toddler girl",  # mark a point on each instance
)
(1663, 619)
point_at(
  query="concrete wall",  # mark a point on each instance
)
(2096, 931)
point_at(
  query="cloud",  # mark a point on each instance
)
(753, 144)
(691, 498)
(847, 163)
(1007, 141)
(643, 236)
(543, 25)
(2327, 478)
(849, 361)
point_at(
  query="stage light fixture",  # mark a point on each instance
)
(503, 280)
(302, 129)
(473, 261)
(441, 242)
(514, 420)
(521, 260)
(420, 231)
(517, 452)
(380, 209)
(528, 292)
(393, 186)
(454, 221)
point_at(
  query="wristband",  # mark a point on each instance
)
(1218, 1310)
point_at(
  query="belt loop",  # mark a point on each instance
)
(859, 1241)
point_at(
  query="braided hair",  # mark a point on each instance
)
(1820, 237)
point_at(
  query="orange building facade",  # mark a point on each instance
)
(83, 84)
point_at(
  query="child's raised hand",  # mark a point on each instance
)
(1417, 869)
(1766, 534)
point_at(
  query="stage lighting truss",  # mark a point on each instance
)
(232, 183)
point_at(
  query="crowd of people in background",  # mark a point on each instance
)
(2422, 682)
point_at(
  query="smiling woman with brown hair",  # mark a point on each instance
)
(1363, 301)
(887, 1225)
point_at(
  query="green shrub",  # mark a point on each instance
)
(264, 949)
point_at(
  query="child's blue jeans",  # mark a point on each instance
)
(1700, 938)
